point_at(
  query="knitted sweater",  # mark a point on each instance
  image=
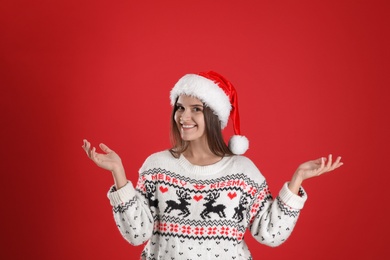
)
(186, 211)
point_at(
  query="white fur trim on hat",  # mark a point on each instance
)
(238, 144)
(207, 91)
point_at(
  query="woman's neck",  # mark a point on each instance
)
(200, 155)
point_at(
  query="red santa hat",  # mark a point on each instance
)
(219, 94)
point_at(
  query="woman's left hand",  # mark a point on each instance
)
(312, 169)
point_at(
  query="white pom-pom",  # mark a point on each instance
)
(238, 144)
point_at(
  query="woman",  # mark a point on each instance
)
(196, 200)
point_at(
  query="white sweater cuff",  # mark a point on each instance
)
(292, 200)
(121, 196)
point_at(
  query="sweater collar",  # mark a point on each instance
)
(207, 169)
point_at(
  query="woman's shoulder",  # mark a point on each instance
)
(158, 159)
(161, 155)
(244, 161)
(245, 165)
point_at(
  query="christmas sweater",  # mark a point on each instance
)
(186, 211)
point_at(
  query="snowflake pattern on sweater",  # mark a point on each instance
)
(186, 211)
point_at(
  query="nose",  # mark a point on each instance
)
(186, 115)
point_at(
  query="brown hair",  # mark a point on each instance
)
(213, 130)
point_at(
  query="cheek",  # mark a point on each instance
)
(177, 117)
(200, 120)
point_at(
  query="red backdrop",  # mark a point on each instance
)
(312, 78)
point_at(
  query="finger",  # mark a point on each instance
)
(105, 148)
(337, 160)
(337, 163)
(94, 155)
(321, 169)
(87, 148)
(323, 162)
(329, 163)
(85, 145)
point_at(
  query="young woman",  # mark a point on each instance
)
(196, 200)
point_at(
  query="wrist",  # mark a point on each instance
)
(296, 182)
(118, 170)
(298, 176)
(119, 176)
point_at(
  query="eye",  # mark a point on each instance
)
(197, 109)
(179, 108)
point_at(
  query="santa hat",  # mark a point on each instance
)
(218, 94)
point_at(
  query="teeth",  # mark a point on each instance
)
(188, 126)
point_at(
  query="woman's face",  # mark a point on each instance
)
(189, 118)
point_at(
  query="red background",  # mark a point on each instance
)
(312, 78)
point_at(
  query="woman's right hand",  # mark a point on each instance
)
(109, 160)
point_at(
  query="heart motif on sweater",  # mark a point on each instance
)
(163, 189)
(232, 195)
(198, 198)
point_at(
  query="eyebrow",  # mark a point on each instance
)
(195, 105)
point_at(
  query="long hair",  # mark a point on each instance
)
(213, 131)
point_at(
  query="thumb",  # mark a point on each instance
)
(105, 148)
(319, 161)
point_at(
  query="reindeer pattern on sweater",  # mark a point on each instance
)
(186, 211)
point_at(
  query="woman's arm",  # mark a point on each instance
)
(131, 212)
(275, 221)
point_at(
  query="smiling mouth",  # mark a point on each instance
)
(187, 126)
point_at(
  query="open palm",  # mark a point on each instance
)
(317, 167)
(109, 160)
